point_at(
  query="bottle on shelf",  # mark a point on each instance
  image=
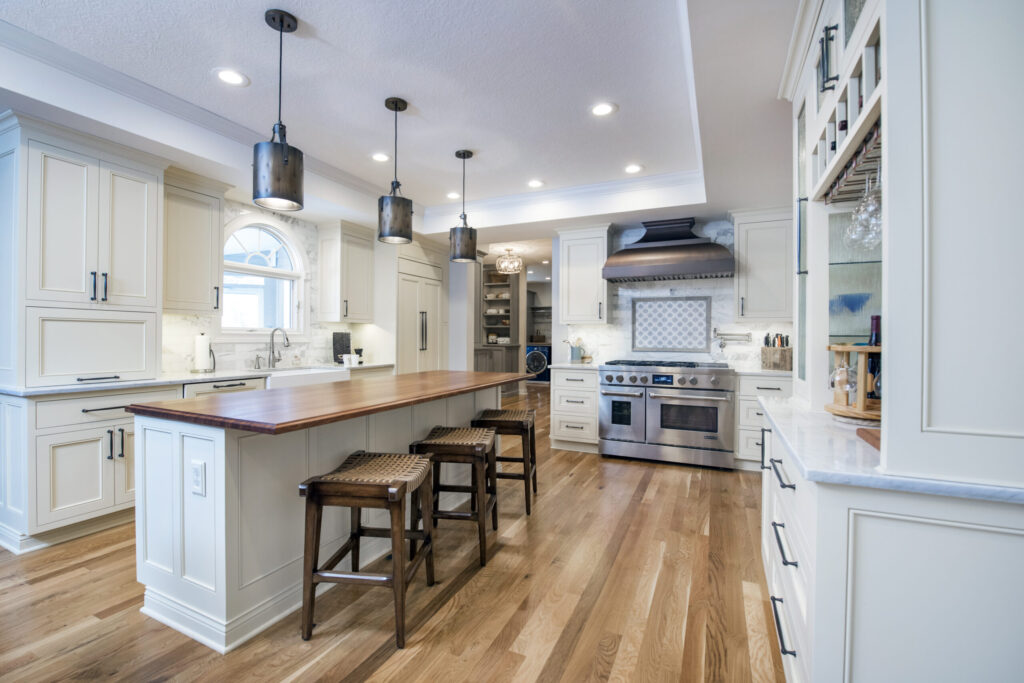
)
(874, 359)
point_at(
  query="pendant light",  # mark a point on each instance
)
(394, 213)
(462, 238)
(509, 263)
(277, 166)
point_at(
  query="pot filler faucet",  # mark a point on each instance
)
(274, 356)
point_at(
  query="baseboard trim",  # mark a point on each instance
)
(561, 445)
(747, 465)
(19, 543)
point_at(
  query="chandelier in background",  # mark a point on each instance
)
(509, 263)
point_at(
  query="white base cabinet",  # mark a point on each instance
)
(750, 415)
(574, 407)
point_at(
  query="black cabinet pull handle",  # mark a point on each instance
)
(346, 307)
(110, 433)
(600, 310)
(216, 298)
(786, 562)
(577, 402)
(121, 454)
(573, 379)
(763, 442)
(232, 384)
(573, 427)
(778, 627)
(769, 389)
(104, 287)
(778, 475)
(758, 414)
(96, 379)
(96, 410)
(743, 301)
(93, 274)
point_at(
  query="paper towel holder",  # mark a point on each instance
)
(213, 369)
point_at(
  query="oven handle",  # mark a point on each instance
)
(690, 396)
(622, 394)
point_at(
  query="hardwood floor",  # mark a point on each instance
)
(625, 571)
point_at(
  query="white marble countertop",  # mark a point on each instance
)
(830, 452)
(573, 366)
(763, 373)
(371, 366)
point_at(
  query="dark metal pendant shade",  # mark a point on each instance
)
(394, 219)
(462, 238)
(277, 166)
(394, 212)
(462, 244)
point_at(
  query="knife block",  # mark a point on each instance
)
(863, 408)
(777, 358)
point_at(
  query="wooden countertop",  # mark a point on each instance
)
(276, 411)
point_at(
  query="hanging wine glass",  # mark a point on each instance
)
(872, 235)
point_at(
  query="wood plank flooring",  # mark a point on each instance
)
(626, 571)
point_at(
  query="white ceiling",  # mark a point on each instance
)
(511, 80)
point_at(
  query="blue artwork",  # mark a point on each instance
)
(853, 302)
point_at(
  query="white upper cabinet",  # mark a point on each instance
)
(764, 265)
(582, 292)
(346, 273)
(193, 245)
(92, 230)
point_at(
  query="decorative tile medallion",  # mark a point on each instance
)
(672, 324)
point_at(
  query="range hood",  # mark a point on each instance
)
(669, 250)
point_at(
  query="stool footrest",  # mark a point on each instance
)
(455, 488)
(442, 514)
(508, 459)
(377, 532)
(511, 475)
(352, 577)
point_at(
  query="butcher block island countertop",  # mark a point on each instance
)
(288, 409)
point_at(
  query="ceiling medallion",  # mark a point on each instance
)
(509, 263)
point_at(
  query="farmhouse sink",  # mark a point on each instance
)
(297, 377)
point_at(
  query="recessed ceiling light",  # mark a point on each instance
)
(453, 195)
(529, 272)
(548, 277)
(536, 183)
(380, 156)
(231, 77)
(604, 109)
(633, 168)
(545, 262)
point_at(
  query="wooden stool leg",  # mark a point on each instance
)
(436, 497)
(527, 468)
(314, 513)
(492, 468)
(480, 485)
(414, 515)
(533, 455)
(397, 510)
(356, 532)
(428, 528)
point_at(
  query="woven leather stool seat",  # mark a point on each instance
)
(515, 423)
(383, 469)
(370, 480)
(469, 437)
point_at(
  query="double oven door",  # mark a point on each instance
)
(621, 413)
(690, 418)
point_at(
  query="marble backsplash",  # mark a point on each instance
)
(314, 348)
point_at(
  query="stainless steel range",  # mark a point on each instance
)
(672, 411)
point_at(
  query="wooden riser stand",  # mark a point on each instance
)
(864, 408)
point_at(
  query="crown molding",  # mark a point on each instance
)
(41, 50)
(807, 14)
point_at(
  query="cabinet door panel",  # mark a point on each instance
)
(429, 294)
(124, 463)
(192, 250)
(356, 278)
(62, 224)
(128, 236)
(408, 325)
(582, 289)
(73, 474)
(765, 277)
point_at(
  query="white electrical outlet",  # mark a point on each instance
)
(199, 478)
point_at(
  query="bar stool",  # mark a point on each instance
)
(515, 423)
(469, 446)
(371, 480)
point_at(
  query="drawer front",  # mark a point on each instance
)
(777, 387)
(748, 445)
(792, 564)
(71, 346)
(576, 402)
(574, 379)
(573, 428)
(76, 411)
(751, 414)
(224, 386)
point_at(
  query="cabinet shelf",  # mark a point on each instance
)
(496, 284)
(853, 263)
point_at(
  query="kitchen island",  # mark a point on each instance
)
(219, 521)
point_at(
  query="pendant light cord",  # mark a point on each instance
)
(463, 216)
(280, 62)
(395, 185)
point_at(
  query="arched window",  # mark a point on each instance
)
(262, 281)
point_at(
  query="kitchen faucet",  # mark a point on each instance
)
(275, 357)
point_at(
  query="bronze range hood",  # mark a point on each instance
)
(668, 250)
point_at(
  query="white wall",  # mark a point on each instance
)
(543, 290)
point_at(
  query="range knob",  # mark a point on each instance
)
(693, 379)
(632, 378)
(607, 378)
(644, 379)
(618, 378)
(713, 381)
(681, 380)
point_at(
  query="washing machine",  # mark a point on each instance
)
(538, 358)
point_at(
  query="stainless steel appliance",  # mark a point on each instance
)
(674, 411)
